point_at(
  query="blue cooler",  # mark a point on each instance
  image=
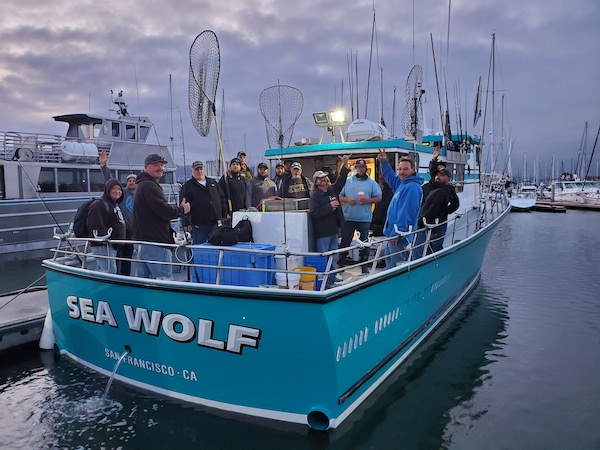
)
(233, 277)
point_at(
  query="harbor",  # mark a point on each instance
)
(489, 379)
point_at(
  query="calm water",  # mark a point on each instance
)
(517, 367)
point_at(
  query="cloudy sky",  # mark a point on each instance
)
(60, 57)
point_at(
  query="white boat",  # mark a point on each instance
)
(573, 190)
(44, 178)
(523, 197)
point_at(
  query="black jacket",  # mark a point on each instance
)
(152, 214)
(440, 202)
(208, 203)
(105, 213)
(427, 187)
(285, 187)
(327, 220)
(380, 211)
(237, 190)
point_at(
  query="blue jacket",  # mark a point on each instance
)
(406, 202)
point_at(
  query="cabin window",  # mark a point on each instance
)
(47, 180)
(116, 129)
(167, 178)
(97, 180)
(144, 131)
(130, 132)
(97, 130)
(72, 180)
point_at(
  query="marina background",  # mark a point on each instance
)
(515, 367)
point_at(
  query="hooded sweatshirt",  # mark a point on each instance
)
(406, 202)
(105, 213)
(440, 202)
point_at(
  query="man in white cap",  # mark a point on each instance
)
(125, 252)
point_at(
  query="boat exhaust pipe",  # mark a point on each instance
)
(318, 420)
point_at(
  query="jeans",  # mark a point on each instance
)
(325, 244)
(124, 265)
(103, 264)
(200, 233)
(348, 232)
(437, 237)
(155, 253)
(435, 244)
(392, 260)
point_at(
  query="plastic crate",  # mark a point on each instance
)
(231, 258)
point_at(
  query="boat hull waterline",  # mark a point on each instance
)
(295, 356)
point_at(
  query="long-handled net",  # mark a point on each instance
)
(205, 66)
(281, 107)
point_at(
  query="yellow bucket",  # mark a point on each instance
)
(307, 281)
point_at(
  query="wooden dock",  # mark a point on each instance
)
(566, 205)
(22, 317)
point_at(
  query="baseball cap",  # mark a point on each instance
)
(444, 172)
(235, 160)
(319, 174)
(241, 154)
(197, 164)
(360, 162)
(262, 164)
(153, 159)
(131, 175)
(279, 164)
(296, 165)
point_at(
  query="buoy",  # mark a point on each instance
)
(47, 337)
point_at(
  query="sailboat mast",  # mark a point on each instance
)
(492, 143)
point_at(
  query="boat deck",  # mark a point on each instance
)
(545, 204)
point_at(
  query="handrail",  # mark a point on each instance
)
(71, 249)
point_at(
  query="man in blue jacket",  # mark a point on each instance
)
(403, 212)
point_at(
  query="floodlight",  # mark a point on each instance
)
(320, 118)
(338, 117)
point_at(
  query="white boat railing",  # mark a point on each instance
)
(73, 251)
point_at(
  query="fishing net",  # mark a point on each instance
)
(281, 107)
(205, 65)
(412, 119)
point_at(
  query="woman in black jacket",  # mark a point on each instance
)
(104, 215)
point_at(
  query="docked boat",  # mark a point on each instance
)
(573, 190)
(44, 178)
(523, 198)
(255, 328)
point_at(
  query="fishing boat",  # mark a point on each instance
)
(254, 328)
(44, 178)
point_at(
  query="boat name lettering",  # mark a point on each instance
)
(152, 366)
(438, 284)
(177, 327)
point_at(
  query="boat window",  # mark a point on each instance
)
(144, 132)
(167, 178)
(72, 180)
(86, 131)
(116, 129)
(130, 132)
(97, 130)
(97, 180)
(47, 180)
